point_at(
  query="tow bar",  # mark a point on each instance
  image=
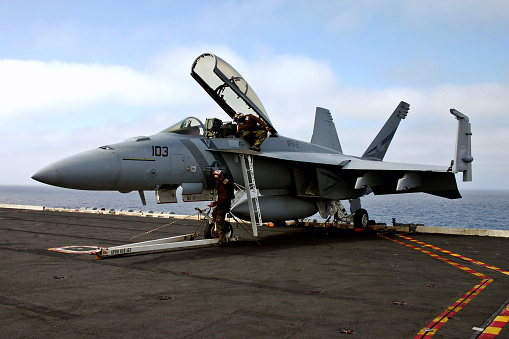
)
(163, 244)
(186, 241)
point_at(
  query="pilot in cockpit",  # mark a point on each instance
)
(252, 129)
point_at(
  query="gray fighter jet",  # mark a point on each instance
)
(288, 179)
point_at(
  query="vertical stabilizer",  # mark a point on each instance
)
(381, 143)
(324, 132)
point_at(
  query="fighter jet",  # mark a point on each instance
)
(287, 179)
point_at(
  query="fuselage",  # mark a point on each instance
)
(169, 159)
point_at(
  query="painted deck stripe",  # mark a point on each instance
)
(430, 330)
(479, 263)
(495, 327)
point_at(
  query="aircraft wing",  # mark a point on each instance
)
(345, 162)
(370, 165)
(305, 157)
(361, 174)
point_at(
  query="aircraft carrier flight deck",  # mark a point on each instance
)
(290, 283)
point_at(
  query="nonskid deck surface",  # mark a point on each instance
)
(293, 282)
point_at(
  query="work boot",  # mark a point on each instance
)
(222, 241)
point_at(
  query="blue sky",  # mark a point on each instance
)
(79, 74)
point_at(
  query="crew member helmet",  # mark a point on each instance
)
(239, 117)
(217, 174)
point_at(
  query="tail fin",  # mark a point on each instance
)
(381, 143)
(324, 132)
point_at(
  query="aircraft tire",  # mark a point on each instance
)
(360, 218)
(209, 234)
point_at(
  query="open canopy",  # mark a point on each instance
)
(227, 87)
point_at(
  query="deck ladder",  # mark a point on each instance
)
(251, 192)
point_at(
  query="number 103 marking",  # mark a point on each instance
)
(159, 151)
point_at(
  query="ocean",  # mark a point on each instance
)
(483, 209)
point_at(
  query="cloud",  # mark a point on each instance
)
(30, 86)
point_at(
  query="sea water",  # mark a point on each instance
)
(484, 209)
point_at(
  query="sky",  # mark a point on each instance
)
(76, 75)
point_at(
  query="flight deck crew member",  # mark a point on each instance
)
(252, 128)
(222, 205)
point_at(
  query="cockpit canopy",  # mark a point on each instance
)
(188, 126)
(227, 87)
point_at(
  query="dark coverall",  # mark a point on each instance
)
(225, 194)
(253, 129)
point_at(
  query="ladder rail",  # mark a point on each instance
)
(257, 211)
(251, 192)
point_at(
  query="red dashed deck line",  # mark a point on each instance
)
(496, 326)
(434, 255)
(429, 330)
(439, 321)
(479, 263)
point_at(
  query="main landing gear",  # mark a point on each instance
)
(360, 219)
(335, 209)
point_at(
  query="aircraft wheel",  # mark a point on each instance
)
(360, 218)
(210, 233)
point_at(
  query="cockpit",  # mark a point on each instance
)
(187, 126)
(213, 128)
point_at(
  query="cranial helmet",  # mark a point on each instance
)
(217, 174)
(239, 117)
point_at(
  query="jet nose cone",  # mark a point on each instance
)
(97, 169)
(46, 175)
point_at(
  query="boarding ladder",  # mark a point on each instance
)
(251, 191)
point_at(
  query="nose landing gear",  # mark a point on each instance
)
(210, 230)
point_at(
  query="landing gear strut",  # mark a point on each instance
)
(210, 231)
(334, 208)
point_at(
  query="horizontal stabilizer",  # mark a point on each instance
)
(324, 132)
(381, 143)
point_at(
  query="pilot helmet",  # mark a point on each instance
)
(217, 174)
(239, 117)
